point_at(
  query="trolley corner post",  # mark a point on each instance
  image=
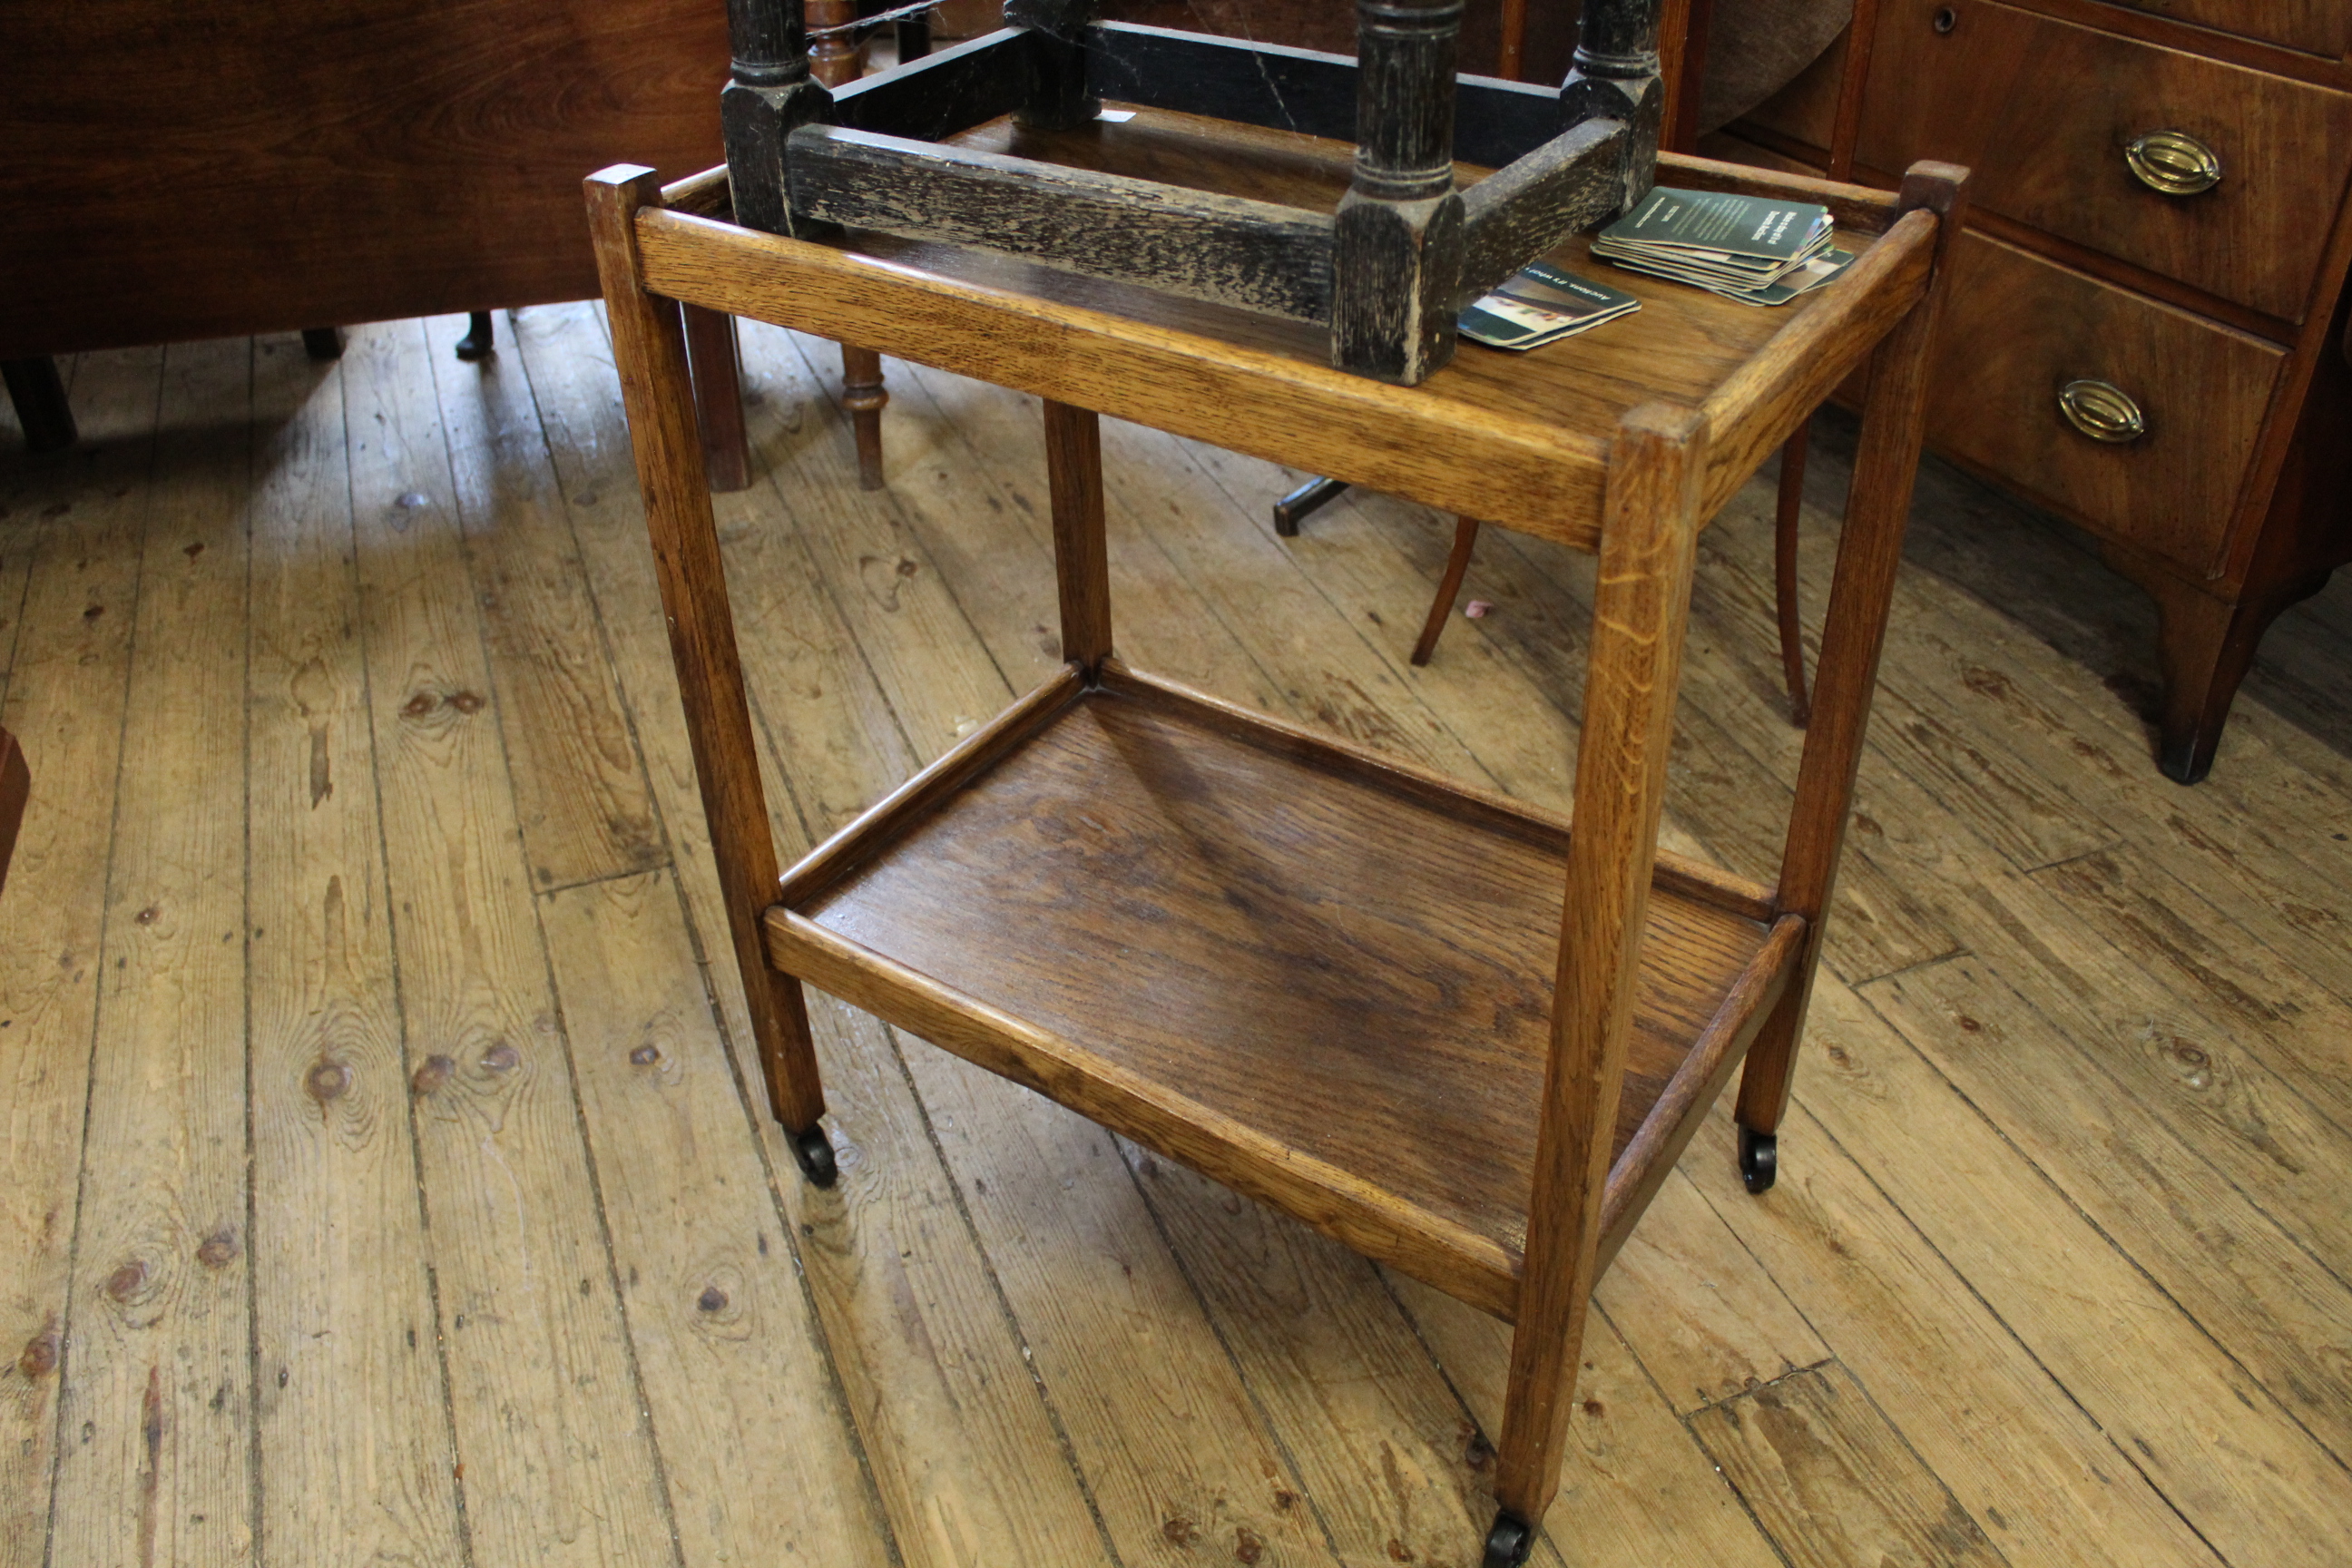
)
(649, 350)
(1853, 632)
(1649, 549)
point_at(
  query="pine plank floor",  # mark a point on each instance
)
(382, 1177)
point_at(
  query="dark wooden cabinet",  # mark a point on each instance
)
(2146, 327)
(1996, 404)
(2047, 113)
(182, 172)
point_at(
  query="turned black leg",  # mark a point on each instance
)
(1509, 1541)
(769, 93)
(481, 339)
(1758, 1159)
(812, 1151)
(42, 411)
(323, 342)
(1303, 503)
(1615, 76)
(1398, 235)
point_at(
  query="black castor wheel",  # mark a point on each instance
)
(481, 339)
(323, 342)
(812, 1150)
(1759, 1161)
(1509, 1542)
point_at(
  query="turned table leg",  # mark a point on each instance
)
(834, 60)
(862, 393)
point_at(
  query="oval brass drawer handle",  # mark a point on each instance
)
(2102, 411)
(2173, 162)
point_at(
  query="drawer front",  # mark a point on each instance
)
(2315, 26)
(2047, 115)
(2019, 330)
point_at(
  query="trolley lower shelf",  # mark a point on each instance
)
(1294, 965)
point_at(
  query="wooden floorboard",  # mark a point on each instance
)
(385, 1174)
(156, 1409)
(342, 1257)
(80, 524)
(558, 1460)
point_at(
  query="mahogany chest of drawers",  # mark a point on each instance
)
(2146, 333)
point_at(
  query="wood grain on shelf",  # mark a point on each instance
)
(1173, 807)
(996, 539)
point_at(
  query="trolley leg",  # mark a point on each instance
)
(649, 347)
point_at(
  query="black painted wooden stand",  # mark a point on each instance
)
(1387, 272)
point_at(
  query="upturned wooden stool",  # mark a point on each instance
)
(1463, 1035)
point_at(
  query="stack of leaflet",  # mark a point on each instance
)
(1750, 248)
(1539, 305)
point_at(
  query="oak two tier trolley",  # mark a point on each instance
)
(1464, 1036)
